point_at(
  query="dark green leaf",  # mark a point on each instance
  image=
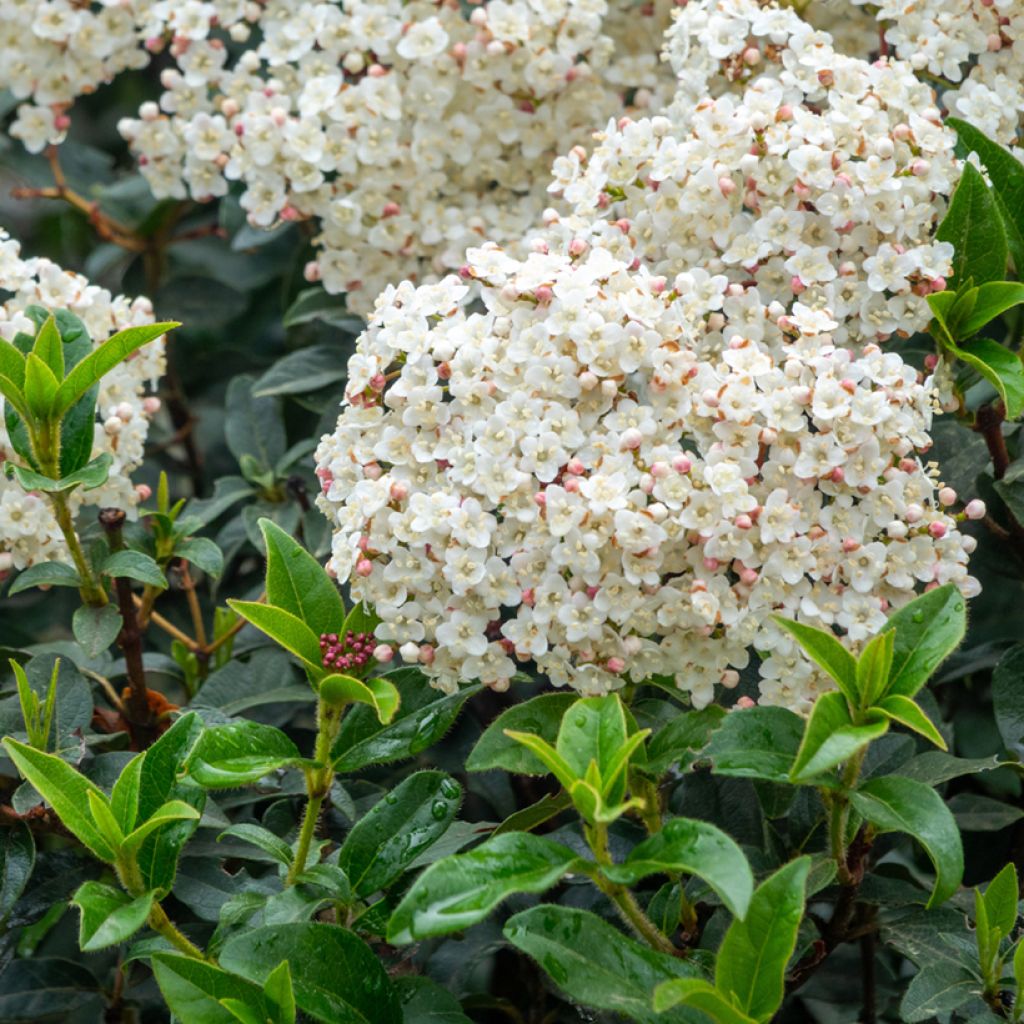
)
(1007, 177)
(895, 804)
(425, 1002)
(254, 428)
(928, 630)
(134, 565)
(50, 574)
(756, 743)
(96, 628)
(976, 813)
(974, 227)
(194, 989)
(423, 717)
(593, 962)
(1008, 697)
(1000, 367)
(228, 756)
(678, 742)
(689, 847)
(385, 842)
(463, 889)
(48, 988)
(317, 304)
(937, 989)
(203, 553)
(993, 298)
(17, 858)
(300, 372)
(264, 839)
(336, 977)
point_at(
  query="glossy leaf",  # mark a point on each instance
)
(1001, 898)
(831, 737)
(993, 298)
(65, 790)
(124, 795)
(385, 842)
(299, 584)
(134, 565)
(17, 859)
(336, 977)
(903, 710)
(756, 743)
(594, 729)
(380, 694)
(463, 889)
(689, 847)
(1000, 367)
(540, 716)
(263, 838)
(679, 740)
(173, 810)
(227, 756)
(895, 804)
(1007, 177)
(928, 630)
(750, 968)
(285, 629)
(974, 227)
(701, 995)
(873, 668)
(108, 915)
(195, 990)
(424, 716)
(103, 359)
(593, 962)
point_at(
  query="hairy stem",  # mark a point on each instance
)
(318, 785)
(162, 925)
(622, 899)
(91, 590)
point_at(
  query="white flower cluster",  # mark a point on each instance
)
(813, 176)
(975, 45)
(404, 131)
(28, 531)
(675, 417)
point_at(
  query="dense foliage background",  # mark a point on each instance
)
(255, 376)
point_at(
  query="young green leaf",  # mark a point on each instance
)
(336, 977)
(40, 388)
(1001, 898)
(397, 829)
(173, 810)
(463, 889)
(873, 668)
(285, 629)
(826, 650)
(592, 730)
(380, 694)
(895, 804)
(831, 737)
(109, 916)
(264, 839)
(928, 630)
(898, 708)
(65, 790)
(99, 808)
(974, 227)
(280, 993)
(299, 584)
(701, 995)
(689, 847)
(548, 756)
(49, 348)
(540, 716)
(593, 962)
(751, 965)
(124, 796)
(102, 360)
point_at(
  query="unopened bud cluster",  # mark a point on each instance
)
(346, 653)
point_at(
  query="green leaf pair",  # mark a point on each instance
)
(592, 752)
(37, 715)
(50, 385)
(750, 968)
(303, 604)
(878, 687)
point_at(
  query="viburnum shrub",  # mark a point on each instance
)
(622, 622)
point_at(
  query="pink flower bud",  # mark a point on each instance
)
(975, 509)
(615, 665)
(383, 653)
(151, 405)
(543, 293)
(743, 521)
(743, 703)
(631, 439)
(730, 679)
(577, 247)
(681, 464)
(575, 467)
(947, 496)
(364, 567)
(711, 564)
(143, 491)
(913, 513)
(427, 654)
